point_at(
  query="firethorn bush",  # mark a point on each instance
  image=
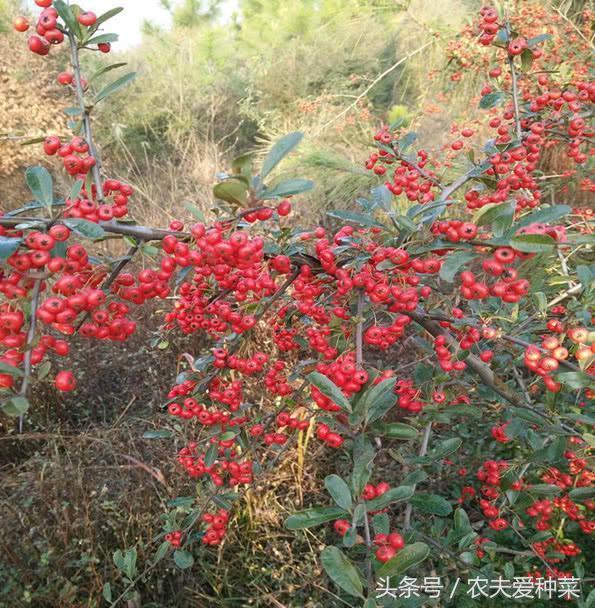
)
(444, 322)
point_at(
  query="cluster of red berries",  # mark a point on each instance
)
(238, 472)
(388, 545)
(93, 210)
(174, 538)
(455, 230)
(545, 359)
(276, 379)
(74, 165)
(372, 491)
(488, 23)
(49, 32)
(384, 336)
(217, 526)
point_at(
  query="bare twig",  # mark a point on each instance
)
(423, 450)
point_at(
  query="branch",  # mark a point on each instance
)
(80, 94)
(29, 345)
(423, 450)
(515, 92)
(485, 373)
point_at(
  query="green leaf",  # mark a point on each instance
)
(363, 455)
(575, 380)
(341, 571)
(115, 86)
(399, 430)
(355, 218)
(393, 495)
(378, 399)
(406, 224)
(211, 455)
(102, 39)
(526, 60)
(105, 69)
(432, 504)
(107, 591)
(40, 183)
(533, 243)
(183, 559)
(491, 100)
(15, 406)
(339, 490)
(231, 191)
(444, 449)
(74, 111)
(195, 211)
(409, 556)
(107, 15)
(288, 188)
(8, 245)
(242, 165)
(85, 228)
(531, 42)
(76, 189)
(544, 489)
(279, 151)
(498, 215)
(313, 517)
(453, 264)
(381, 523)
(461, 520)
(157, 434)
(66, 14)
(582, 493)
(5, 368)
(329, 389)
(162, 551)
(544, 215)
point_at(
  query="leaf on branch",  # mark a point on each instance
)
(491, 100)
(85, 228)
(453, 263)
(106, 69)
(231, 191)
(339, 491)
(355, 218)
(313, 517)
(279, 151)
(8, 246)
(341, 571)
(41, 185)
(409, 556)
(288, 188)
(399, 430)
(102, 39)
(15, 406)
(432, 504)
(393, 495)
(329, 389)
(183, 559)
(115, 86)
(533, 243)
(379, 399)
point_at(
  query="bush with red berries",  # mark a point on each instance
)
(445, 324)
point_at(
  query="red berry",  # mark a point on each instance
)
(20, 24)
(88, 18)
(65, 381)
